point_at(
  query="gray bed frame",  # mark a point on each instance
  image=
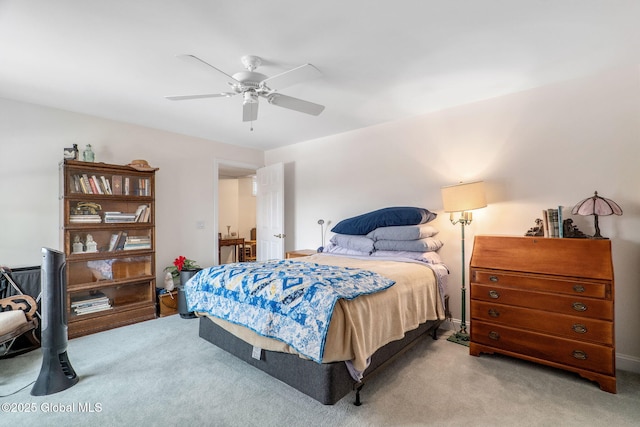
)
(326, 382)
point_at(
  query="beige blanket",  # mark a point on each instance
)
(361, 326)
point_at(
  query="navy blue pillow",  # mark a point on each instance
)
(387, 217)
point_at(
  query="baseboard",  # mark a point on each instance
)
(624, 362)
(451, 325)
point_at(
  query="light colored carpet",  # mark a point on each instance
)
(160, 373)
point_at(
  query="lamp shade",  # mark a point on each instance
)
(464, 197)
(596, 205)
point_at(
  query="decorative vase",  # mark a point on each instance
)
(88, 154)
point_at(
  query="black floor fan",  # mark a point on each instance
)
(56, 373)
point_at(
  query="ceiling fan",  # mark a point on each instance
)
(252, 85)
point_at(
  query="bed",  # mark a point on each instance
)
(398, 300)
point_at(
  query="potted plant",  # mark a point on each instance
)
(182, 264)
(179, 264)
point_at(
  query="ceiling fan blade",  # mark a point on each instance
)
(204, 95)
(199, 62)
(293, 76)
(295, 104)
(249, 111)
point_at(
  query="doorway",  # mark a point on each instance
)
(235, 220)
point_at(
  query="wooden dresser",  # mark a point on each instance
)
(545, 300)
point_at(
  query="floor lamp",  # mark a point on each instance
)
(463, 197)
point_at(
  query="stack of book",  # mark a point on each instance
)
(86, 184)
(92, 303)
(137, 242)
(143, 187)
(87, 219)
(553, 222)
(112, 217)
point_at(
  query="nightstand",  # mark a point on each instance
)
(300, 253)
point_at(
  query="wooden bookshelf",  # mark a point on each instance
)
(108, 237)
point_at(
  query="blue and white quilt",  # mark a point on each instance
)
(287, 300)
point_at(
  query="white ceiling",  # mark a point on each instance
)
(381, 60)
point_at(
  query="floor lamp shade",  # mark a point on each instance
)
(464, 197)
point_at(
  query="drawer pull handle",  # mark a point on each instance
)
(493, 313)
(579, 354)
(579, 329)
(494, 335)
(578, 288)
(493, 294)
(493, 278)
(578, 306)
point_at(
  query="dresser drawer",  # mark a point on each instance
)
(576, 328)
(574, 306)
(543, 283)
(578, 354)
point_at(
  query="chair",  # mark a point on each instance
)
(17, 318)
(250, 247)
(249, 252)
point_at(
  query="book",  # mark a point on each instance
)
(92, 184)
(85, 218)
(140, 213)
(113, 241)
(83, 187)
(77, 188)
(106, 182)
(93, 299)
(95, 309)
(560, 222)
(98, 185)
(126, 188)
(147, 214)
(87, 184)
(105, 185)
(137, 242)
(552, 219)
(113, 217)
(122, 238)
(117, 184)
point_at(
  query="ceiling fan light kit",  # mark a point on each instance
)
(251, 85)
(250, 98)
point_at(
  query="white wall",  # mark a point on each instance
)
(31, 142)
(537, 149)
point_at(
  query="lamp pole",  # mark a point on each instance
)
(462, 336)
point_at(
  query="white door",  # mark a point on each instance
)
(270, 212)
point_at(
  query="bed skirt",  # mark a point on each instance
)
(326, 382)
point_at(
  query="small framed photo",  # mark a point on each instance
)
(71, 153)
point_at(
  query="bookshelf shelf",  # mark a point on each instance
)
(108, 236)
